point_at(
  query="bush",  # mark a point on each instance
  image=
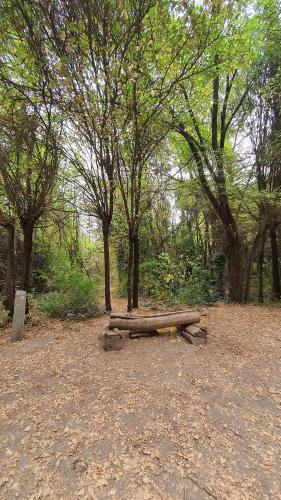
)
(73, 296)
(197, 288)
(164, 279)
(160, 277)
(4, 319)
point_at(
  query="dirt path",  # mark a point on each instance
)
(159, 419)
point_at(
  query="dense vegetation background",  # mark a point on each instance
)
(139, 152)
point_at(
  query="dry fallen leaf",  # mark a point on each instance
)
(159, 418)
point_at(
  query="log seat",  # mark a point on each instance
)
(148, 323)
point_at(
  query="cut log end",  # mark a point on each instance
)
(194, 340)
(112, 341)
(195, 330)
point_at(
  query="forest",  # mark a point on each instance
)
(140, 249)
(140, 160)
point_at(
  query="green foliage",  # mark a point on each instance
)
(73, 296)
(196, 289)
(160, 277)
(178, 280)
(3, 315)
(128, 93)
(163, 279)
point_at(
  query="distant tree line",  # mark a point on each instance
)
(160, 120)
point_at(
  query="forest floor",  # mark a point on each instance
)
(159, 419)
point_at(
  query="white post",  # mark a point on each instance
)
(18, 317)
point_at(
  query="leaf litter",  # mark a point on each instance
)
(159, 419)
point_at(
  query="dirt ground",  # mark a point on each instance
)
(159, 419)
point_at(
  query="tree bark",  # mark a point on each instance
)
(136, 271)
(10, 272)
(28, 228)
(234, 266)
(130, 272)
(255, 250)
(276, 289)
(247, 291)
(260, 271)
(106, 257)
(207, 243)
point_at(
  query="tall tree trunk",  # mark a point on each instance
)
(255, 250)
(136, 271)
(28, 228)
(260, 271)
(10, 272)
(106, 258)
(234, 266)
(130, 271)
(276, 289)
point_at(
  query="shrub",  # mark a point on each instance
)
(73, 296)
(4, 319)
(197, 288)
(160, 277)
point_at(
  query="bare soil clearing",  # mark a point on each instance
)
(159, 419)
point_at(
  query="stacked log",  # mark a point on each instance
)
(112, 340)
(194, 334)
(147, 326)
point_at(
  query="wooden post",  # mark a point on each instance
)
(19, 314)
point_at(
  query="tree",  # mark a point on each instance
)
(89, 42)
(264, 123)
(29, 159)
(9, 291)
(158, 68)
(208, 136)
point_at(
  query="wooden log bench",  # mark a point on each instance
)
(148, 325)
(186, 323)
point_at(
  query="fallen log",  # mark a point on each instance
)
(127, 315)
(154, 322)
(196, 331)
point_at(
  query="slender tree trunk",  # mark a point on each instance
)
(260, 271)
(247, 291)
(106, 258)
(276, 289)
(207, 244)
(10, 272)
(130, 272)
(136, 271)
(28, 228)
